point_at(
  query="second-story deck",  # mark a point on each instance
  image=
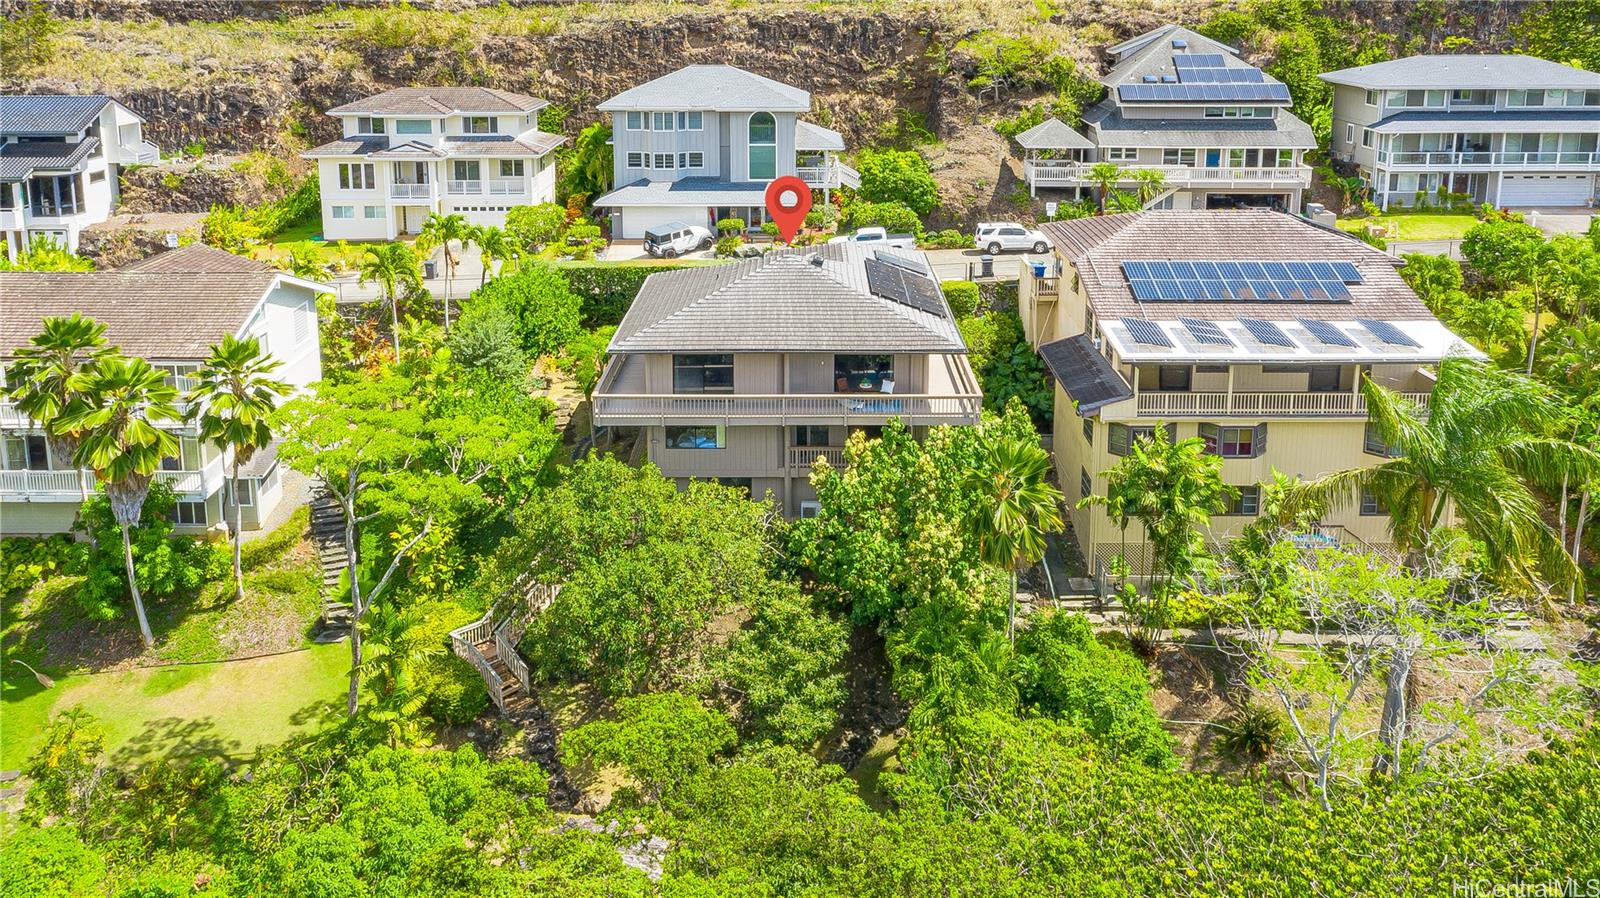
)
(1273, 404)
(831, 173)
(1068, 173)
(1426, 160)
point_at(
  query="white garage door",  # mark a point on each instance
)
(1546, 190)
(638, 219)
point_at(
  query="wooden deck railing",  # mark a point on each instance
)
(1180, 403)
(502, 626)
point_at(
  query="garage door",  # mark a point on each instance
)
(1546, 190)
(638, 219)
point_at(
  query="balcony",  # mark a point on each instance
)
(830, 174)
(508, 188)
(801, 458)
(1423, 160)
(1181, 404)
(64, 486)
(10, 219)
(463, 188)
(57, 210)
(140, 153)
(412, 191)
(641, 409)
(1067, 173)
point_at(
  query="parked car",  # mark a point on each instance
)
(999, 236)
(676, 238)
(878, 237)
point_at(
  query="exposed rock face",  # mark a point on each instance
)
(194, 187)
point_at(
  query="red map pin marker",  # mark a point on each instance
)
(788, 201)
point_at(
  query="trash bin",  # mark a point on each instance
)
(986, 266)
(430, 269)
(1038, 269)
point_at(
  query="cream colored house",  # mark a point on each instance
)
(1249, 329)
(748, 372)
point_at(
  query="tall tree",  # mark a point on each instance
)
(1104, 176)
(392, 266)
(42, 373)
(1487, 439)
(1150, 182)
(441, 231)
(493, 246)
(119, 411)
(588, 166)
(1016, 506)
(233, 399)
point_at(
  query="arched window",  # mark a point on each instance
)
(763, 147)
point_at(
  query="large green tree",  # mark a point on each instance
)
(41, 377)
(392, 266)
(1016, 506)
(897, 176)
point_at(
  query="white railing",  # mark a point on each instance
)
(411, 191)
(464, 188)
(141, 153)
(65, 485)
(803, 457)
(623, 408)
(1044, 172)
(10, 219)
(507, 188)
(513, 610)
(1289, 404)
(849, 177)
(1445, 159)
(824, 175)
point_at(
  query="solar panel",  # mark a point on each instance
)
(1146, 332)
(1266, 332)
(1180, 93)
(902, 285)
(1205, 331)
(1084, 373)
(1190, 280)
(1144, 289)
(1326, 332)
(1347, 272)
(922, 293)
(902, 259)
(1387, 332)
(1197, 60)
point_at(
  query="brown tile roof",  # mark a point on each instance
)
(440, 101)
(196, 257)
(1097, 246)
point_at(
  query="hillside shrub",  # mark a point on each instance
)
(28, 560)
(950, 238)
(785, 665)
(607, 290)
(897, 218)
(164, 563)
(534, 227)
(547, 313)
(487, 337)
(962, 297)
(897, 176)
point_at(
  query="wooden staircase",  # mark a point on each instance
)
(327, 536)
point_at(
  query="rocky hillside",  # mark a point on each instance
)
(251, 74)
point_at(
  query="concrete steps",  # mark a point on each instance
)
(327, 537)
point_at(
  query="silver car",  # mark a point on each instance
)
(1000, 236)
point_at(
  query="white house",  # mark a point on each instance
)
(703, 143)
(413, 151)
(59, 157)
(168, 309)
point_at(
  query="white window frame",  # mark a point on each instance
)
(691, 121)
(303, 318)
(637, 159)
(1122, 154)
(634, 120)
(661, 121)
(1350, 133)
(517, 168)
(695, 159)
(358, 176)
(374, 213)
(1371, 98)
(342, 213)
(369, 124)
(809, 509)
(427, 125)
(662, 161)
(493, 123)
(1367, 138)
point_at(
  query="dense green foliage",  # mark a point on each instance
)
(44, 254)
(895, 217)
(546, 311)
(784, 666)
(164, 563)
(608, 290)
(897, 176)
(1006, 365)
(660, 739)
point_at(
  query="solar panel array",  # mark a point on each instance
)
(1084, 373)
(1327, 333)
(1205, 331)
(1266, 332)
(895, 283)
(1215, 93)
(1146, 332)
(1191, 60)
(1387, 332)
(1208, 68)
(1217, 281)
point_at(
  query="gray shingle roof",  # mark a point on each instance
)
(1098, 246)
(1475, 72)
(815, 137)
(538, 144)
(779, 302)
(347, 146)
(687, 192)
(1111, 129)
(44, 115)
(1442, 122)
(197, 258)
(1053, 134)
(1165, 33)
(18, 161)
(717, 87)
(1155, 57)
(440, 101)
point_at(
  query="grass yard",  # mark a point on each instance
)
(1416, 225)
(299, 238)
(225, 708)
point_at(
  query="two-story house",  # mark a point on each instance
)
(701, 144)
(168, 309)
(59, 158)
(1249, 329)
(411, 152)
(1217, 128)
(748, 372)
(1507, 130)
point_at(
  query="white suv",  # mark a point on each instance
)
(998, 236)
(675, 238)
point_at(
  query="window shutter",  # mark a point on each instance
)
(1261, 441)
(1117, 439)
(1212, 435)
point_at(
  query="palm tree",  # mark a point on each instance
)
(442, 230)
(1151, 182)
(1017, 506)
(233, 399)
(1482, 445)
(120, 406)
(1105, 176)
(307, 262)
(393, 652)
(391, 266)
(42, 376)
(495, 245)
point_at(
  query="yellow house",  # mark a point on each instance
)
(1250, 329)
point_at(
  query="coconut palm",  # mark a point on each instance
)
(1151, 182)
(1482, 446)
(495, 246)
(1017, 505)
(1105, 176)
(232, 400)
(119, 411)
(392, 266)
(442, 230)
(42, 374)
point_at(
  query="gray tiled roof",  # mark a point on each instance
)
(1474, 72)
(1098, 246)
(779, 302)
(41, 115)
(717, 87)
(815, 137)
(1441, 122)
(440, 101)
(197, 258)
(1166, 33)
(18, 161)
(411, 149)
(347, 146)
(1053, 134)
(1155, 57)
(537, 144)
(687, 192)
(1111, 128)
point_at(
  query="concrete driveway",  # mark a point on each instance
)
(966, 264)
(629, 250)
(1555, 220)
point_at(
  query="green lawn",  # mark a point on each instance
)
(302, 236)
(226, 708)
(1417, 225)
